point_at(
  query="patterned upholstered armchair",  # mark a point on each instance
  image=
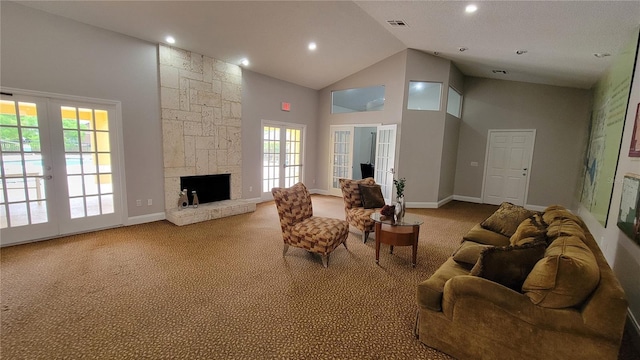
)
(301, 229)
(355, 213)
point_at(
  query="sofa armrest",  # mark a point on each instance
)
(467, 297)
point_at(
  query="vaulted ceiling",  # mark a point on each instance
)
(558, 39)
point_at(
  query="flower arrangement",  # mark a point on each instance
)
(399, 183)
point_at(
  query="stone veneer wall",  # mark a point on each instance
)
(200, 99)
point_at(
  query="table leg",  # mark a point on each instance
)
(378, 232)
(390, 249)
(414, 253)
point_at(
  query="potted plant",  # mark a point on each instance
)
(399, 183)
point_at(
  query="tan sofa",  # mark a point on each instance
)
(569, 304)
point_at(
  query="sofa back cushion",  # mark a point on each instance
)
(532, 229)
(565, 277)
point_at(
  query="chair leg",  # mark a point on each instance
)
(284, 250)
(325, 260)
(345, 243)
(365, 236)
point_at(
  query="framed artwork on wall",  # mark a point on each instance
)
(634, 150)
(629, 216)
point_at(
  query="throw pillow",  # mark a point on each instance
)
(509, 265)
(468, 253)
(506, 219)
(371, 196)
(530, 230)
(565, 277)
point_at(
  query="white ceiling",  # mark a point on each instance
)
(560, 36)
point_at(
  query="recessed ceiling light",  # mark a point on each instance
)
(312, 46)
(601, 55)
(170, 39)
(503, 72)
(520, 52)
(471, 8)
(244, 62)
(462, 48)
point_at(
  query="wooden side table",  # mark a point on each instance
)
(397, 233)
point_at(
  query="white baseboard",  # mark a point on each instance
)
(467, 199)
(135, 220)
(319, 191)
(421, 205)
(445, 201)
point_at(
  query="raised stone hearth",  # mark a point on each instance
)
(210, 211)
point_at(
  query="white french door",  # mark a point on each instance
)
(60, 170)
(385, 160)
(282, 156)
(341, 157)
(508, 165)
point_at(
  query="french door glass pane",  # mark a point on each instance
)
(271, 161)
(22, 198)
(88, 161)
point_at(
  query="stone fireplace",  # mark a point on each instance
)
(200, 99)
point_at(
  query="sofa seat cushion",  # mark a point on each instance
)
(430, 291)
(509, 265)
(468, 253)
(481, 235)
(506, 219)
(565, 277)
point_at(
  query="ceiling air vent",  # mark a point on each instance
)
(397, 23)
(503, 72)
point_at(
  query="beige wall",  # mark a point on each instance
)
(422, 147)
(388, 72)
(261, 100)
(561, 118)
(48, 53)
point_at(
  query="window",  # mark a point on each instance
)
(357, 100)
(454, 102)
(424, 95)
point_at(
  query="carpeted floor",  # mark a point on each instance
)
(221, 290)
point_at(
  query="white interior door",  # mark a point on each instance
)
(60, 168)
(282, 154)
(508, 166)
(341, 157)
(385, 159)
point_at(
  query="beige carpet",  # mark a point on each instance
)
(221, 290)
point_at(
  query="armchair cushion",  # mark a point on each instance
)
(371, 196)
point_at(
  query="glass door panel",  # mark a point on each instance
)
(24, 149)
(385, 160)
(282, 154)
(341, 157)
